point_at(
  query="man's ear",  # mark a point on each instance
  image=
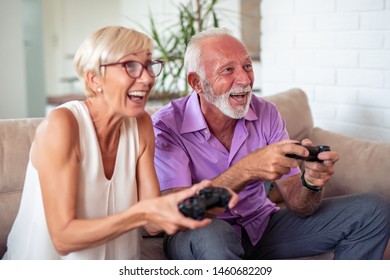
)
(93, 81)
(194, 81)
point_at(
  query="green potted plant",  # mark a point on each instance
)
(171, 42)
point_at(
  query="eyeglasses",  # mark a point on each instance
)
(134, 68)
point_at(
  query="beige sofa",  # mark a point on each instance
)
(363, 164)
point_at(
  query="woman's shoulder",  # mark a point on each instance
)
(141, 125)
(145, 130)
(58, 122)
(56, 137)
(144, 120)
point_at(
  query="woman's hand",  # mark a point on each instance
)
(162, 213)
(232, 202)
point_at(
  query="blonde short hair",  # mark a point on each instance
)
(107, 45)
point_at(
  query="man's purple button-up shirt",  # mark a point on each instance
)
(186, 153)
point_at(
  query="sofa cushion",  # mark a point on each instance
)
(363, 165)
(152, 248)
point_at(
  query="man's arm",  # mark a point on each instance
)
(236, 177)
(268, 163)
(301, 199)
(297, 198)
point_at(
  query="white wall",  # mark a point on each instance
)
(165, 13)
(136, 14)
(34, 57)
(13, 99)
(68, 22)
(65, 24)
(338, 51)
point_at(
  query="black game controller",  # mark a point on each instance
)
(196, 206)
(314, 151)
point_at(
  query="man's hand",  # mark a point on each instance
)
(318, 173)
(270, 163)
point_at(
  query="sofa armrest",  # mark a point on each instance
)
(364, 165)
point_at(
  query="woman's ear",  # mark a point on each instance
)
(194, 81)
(94, 82)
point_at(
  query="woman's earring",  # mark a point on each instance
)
(100, 90)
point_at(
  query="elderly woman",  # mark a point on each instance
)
(90, 181)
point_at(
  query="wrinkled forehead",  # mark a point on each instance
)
(221, 50)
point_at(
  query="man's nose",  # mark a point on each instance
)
(242, 77)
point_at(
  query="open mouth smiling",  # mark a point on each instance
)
(136, 95)
(239, 96)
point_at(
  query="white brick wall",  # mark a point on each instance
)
(338, 51)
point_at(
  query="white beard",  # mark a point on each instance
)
(222, 101)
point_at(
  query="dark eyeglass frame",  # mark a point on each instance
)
(144, 66)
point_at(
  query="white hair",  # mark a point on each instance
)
(194, 52)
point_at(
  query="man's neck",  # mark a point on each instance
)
(221, 126)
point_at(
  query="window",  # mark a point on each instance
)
(250, 26)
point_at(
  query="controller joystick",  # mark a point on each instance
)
(196, 206)
(313, 153)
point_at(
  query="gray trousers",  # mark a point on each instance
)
(353, 227)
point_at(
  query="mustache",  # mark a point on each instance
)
(240, 90)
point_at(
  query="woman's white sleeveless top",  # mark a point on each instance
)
(98, 197)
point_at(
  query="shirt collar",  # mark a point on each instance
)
(193, 119)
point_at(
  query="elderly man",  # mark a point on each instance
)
(224, 133)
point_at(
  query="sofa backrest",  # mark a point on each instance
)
(293, 105)
(16, 137)
(15, 141)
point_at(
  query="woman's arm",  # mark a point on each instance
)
(56, 155)
(164, 214)
(148, 186)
